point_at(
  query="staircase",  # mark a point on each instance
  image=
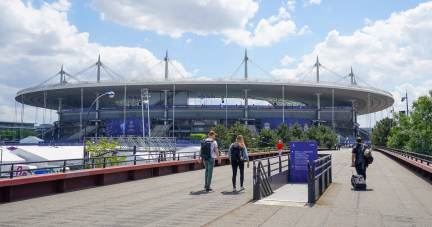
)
(160, 130)
(78, 135)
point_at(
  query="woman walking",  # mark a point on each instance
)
(238, 155)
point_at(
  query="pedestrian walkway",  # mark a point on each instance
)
(395, 197)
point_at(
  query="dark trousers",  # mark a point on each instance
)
(360, 171)
(240, 165)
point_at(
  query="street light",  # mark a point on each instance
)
(111, 95)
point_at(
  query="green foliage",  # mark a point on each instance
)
(269, 138)
(198, 136)
(239, 129)
(104, 149)
(324, 136)
(414, 132)
(381, 132)
(222, 136)
(16, 134)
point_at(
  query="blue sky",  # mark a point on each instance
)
(386, 42)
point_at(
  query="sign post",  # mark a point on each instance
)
(300, 154)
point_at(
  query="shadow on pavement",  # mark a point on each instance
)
(231, 192)
(199, 192)
(367, 190)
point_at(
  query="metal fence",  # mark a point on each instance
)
(319, 177)
(270, 174)
(411, 155)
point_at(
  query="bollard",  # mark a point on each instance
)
(280, 164)
(11, 173)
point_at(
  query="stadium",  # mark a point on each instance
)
(181, 106)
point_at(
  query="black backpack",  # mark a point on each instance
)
(236, 151)
(206, 148)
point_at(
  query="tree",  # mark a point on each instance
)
(198, 136)
(269, 138)
(295, 132)
(239, 129)
(104, 149)
(222, 136)
(283, 132)
(414, 132)
(381, 132)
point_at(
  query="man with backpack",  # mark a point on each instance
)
(208, 153)
(359, 160)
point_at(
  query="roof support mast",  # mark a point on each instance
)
(166, 65)
(98, 72)
(245, 61)
(317, 68)
(61, 76)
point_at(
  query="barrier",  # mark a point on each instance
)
(263, 181)
(319, 177)
(420, 163)
(37, 185)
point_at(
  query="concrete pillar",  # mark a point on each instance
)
(97, 115)
(246, 105)
(318, 107)
(165, 103)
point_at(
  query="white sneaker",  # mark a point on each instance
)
(242, 188)
(234, 189)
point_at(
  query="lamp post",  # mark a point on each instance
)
(111, 95)
(405, 99)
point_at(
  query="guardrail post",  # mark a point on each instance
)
(268, 168)
(64, 166)
(258, 184)
(135, 160)
(330, 171)
(311, 191)
(103, 162)
(11, 173)
(280, 164)
(313, 182)
(254, 177)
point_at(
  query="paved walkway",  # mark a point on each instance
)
(396, 197)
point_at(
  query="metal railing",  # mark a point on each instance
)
(209, 80)
(411, 155)
(160, 144)
(319, 177)
(263, 183)
(96, 162)
(64, 165)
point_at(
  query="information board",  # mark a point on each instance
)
(300, 154)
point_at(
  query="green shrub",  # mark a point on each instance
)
(198, 136)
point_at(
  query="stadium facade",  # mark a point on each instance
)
(172, 113)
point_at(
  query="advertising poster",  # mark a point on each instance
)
(273, 123)
(300, 153)
(132, 127)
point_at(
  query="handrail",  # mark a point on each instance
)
(160, 157)
(262, 172)
(319, 172)
(411, 155)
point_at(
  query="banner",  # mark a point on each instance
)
(273, 123)
(300, 154)
(133, 127)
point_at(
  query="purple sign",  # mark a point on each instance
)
(300, 154)
(132, 127)
(273, 123)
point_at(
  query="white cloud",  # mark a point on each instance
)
(189, 40)
(291, 5)
(414, 92)
(147, 40)
(265, 33)
(61, 5)
(195, 72)
(386, 53)
(367, 22)
(287, 60)
(177, 17)
(34, 43)
(310, 2)
(304, 30)
(174, 18)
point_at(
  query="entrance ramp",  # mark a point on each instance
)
(292, 192)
